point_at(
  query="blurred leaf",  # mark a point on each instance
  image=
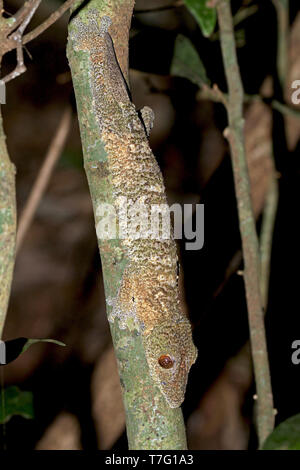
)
(16, 402)
(286, 436)
(187, 63)
(30, 342)
(15, 347)
(204, 15)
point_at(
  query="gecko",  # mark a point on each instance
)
(148, 290)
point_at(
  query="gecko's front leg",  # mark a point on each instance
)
(124, 305)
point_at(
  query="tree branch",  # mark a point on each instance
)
(7, 225)
(54, 152)
(150, 422)
(212, 93)
(266, 236)
(24, 13)
(269, 215)
(235, 135)
(48, 22)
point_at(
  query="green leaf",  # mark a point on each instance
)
(13, 348)
(286, 436)
(30, 342)
(204, 15)
(16, 402)
(187, 63)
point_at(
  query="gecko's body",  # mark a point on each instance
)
(148, 290)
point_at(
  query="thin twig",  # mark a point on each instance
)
(13, 37)
(22, 19)
(26, 11)
(250, 246)
(16, 36)
(241, 15)
(27, 19)
(54, 152)
(20, 67)
(285, 109)
(269, 215)
(266, 236)
(48, 22)
(218, 96)
(212, 93)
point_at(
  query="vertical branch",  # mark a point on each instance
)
(269, 215)
(235, 134)
(266, 236)
(39, 187)
(8, 219)
(7, 225)
(150, 422)
(48, 22)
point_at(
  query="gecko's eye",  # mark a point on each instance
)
(166, 362)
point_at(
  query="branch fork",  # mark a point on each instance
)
(12, 32)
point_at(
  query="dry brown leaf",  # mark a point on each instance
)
(107, 409)
(62, 434)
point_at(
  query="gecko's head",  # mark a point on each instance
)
(170, 354)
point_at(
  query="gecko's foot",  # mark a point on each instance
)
(125, 313)
(147, 115)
